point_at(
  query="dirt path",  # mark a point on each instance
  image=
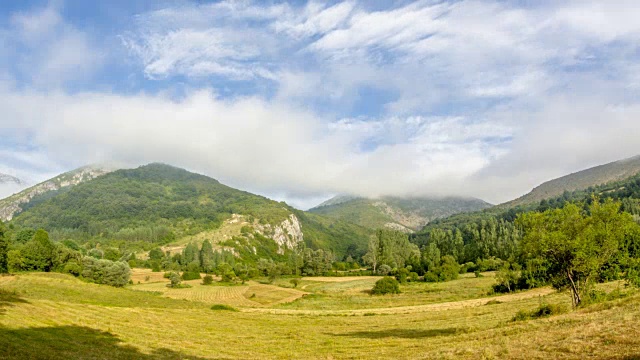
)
(413, 309)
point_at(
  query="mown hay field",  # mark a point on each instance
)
(52, 316)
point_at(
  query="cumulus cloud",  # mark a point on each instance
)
(475, 98)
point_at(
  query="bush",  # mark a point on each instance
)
(413, 276)
(545, 310)
(114, 273)
(207, 280)
(401, 275)
(295, 282)
(632, 275)
(72, 268)
(188, 275)
(222, 307)
(175, 279)
(386, 285)
(229, 276)
(430, 276)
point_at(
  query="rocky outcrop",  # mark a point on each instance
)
(288, 234)
(12, 205)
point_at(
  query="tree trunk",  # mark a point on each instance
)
(574, 290)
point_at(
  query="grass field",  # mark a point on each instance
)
(52, 316)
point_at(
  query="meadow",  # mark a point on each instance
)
(54, 316)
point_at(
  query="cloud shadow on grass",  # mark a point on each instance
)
(9, 298)
(73, 342)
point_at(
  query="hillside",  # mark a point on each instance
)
(599, 175)
(161, 204)
(16, 203)
(406, 214)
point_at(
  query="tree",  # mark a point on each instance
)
(372, 256)
(4, 249)
(38, 253)
(574, 244)
(156, 254)
(175, 279)
(206, 257)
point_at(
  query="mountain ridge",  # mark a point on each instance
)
(579, 180)
(162, 203)
(13, 204)
(406, 214)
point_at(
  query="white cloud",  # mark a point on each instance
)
(47, 50)
(483, 98)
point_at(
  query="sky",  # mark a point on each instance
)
(300, 101)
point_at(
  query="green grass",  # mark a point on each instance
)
(57, 322)
(356, 294)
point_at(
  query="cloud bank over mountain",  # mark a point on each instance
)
(298, 102)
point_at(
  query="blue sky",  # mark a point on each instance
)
(302, 100)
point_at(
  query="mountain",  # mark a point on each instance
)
(406, 214)
(599, 175)
(162, 204)
(16, 203)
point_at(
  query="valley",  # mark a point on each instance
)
(201, 270)
(61, 316)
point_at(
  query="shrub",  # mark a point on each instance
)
(229, 276)
(632, 275)
(386, 285)
(430, 276)
(207, 280)
(545, 310)
(175, 279)
(413, 276)
(295, 282)
(402, 274)
(114, 273)
(72, 268)
(155, 266)
(222, 307)
(188, 275)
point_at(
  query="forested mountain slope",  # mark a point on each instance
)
(16, 203)
(599, 175)
(161, 204)
(406, 214)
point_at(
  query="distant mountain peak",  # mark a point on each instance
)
(401, 213)
(12, 205)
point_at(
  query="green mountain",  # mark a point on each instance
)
(162, 204)
(582, 180)
(406, 214)
(16, 203)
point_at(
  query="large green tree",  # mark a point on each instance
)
(392, 248)
(574, 243)
(38, 253)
